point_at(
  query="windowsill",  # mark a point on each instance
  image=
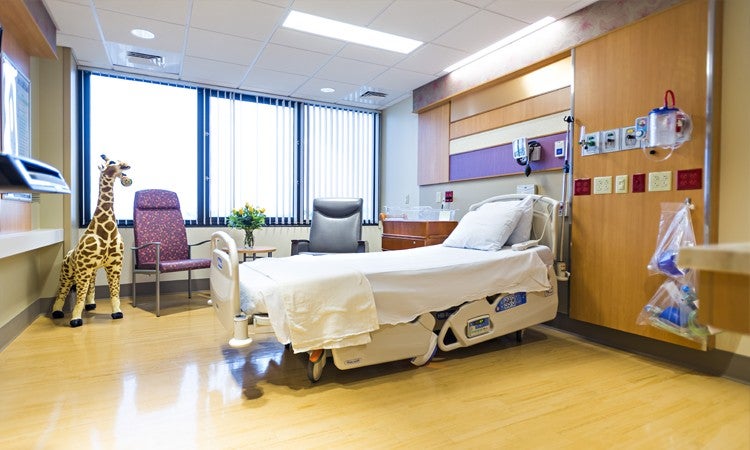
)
(16, 243)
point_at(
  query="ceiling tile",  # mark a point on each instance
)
(360, 12)
(311, 89)
(532, 10)
(349, 71)
(88, 52)
(422, 20)
(117, 26)
(398, 79)
(292, 60)
(371, 55)
(245, 18)
(213, 72)
(172, 11)
(479, 31)
(306, 41)
(431, 59)
(222, 47)
(73, 19)
(272, 82)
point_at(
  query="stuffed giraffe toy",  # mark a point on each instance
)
(100, 246)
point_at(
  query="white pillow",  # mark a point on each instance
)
(486, 228)
(522, 233)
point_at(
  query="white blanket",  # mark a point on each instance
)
(407, 283)
(316, 303)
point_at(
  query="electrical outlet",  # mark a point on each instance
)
(438, 197)
(602, 185)
(627, 138)
(639, 182)
(689, 179)
(590, 144)
(659, 181)
(406, 199)
(610, 140)
(621, 184)
(526, 189)
(582, 186)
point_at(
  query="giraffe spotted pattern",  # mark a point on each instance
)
(100, 246)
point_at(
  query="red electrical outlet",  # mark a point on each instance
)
(689, 179)
(639, 182)
(582, 186)
(448, 196)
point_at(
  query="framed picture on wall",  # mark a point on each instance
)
(16, 114)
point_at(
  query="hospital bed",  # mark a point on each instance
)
(369, 308)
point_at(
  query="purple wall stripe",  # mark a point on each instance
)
(498, 160)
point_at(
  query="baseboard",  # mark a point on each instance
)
(149, 287)
(43, 306)
(713, 362)
(11, 330)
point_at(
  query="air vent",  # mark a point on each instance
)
(367, 94)
(145, 59)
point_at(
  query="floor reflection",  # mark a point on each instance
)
(266, 361)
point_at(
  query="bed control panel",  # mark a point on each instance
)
(478, 326)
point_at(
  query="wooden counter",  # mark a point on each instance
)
(723, 284)
(402, 234)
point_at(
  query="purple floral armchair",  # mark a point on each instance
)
(161, 240)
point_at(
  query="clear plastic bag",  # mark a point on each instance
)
(674, 306)
(675, 231)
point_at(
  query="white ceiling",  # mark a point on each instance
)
(240, 44)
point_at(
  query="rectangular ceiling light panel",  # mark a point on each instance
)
(350, 33)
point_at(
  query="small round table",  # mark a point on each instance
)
(246, 251)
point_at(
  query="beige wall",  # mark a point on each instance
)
(734, 189)
(398, 157)
(734, 216)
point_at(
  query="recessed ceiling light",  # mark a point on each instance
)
(327, 90)
(141, 33)
(502, 43)
(351, 33)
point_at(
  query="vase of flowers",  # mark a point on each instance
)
(248, 218)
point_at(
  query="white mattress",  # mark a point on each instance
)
(407, 283)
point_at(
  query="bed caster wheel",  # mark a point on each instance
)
(57, 314)
(117, 315)
(315, 365)
(427, 357)
(90, 307)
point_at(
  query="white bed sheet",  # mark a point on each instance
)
(407, 283)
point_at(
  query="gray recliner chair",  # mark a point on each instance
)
(335, 227)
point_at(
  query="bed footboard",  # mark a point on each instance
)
(224, 279)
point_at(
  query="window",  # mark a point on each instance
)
(220, 149)
(152, 127)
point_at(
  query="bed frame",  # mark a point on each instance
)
(462, 326)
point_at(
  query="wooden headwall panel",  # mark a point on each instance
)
(618, 77)
(433, 145)
(531, 108)
(548, 77)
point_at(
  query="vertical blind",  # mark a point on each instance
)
(219, 150)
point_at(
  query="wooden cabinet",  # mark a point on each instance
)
(401, 234)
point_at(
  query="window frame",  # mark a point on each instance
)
(204, 94)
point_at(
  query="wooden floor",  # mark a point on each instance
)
(172, 383)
